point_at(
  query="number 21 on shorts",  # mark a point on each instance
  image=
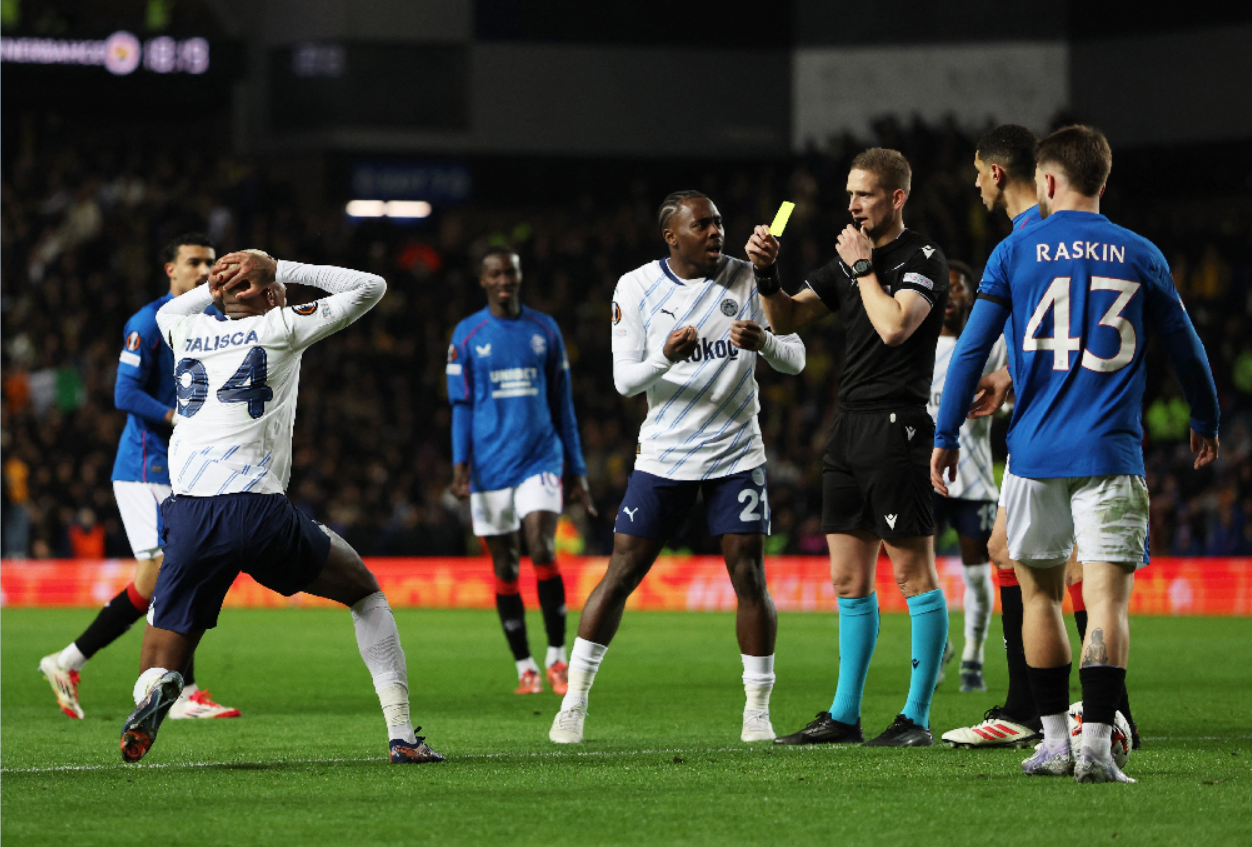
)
(1056, 299)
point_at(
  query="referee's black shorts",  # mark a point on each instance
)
(876, 474)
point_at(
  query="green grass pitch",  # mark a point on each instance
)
(662, 763)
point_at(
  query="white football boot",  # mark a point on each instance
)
(756, 726)
(567, 726)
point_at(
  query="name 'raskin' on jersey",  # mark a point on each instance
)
(236, 380)
(701, 421)
(1076, 328)
(512, 375)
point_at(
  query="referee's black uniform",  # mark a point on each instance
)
(876, 473)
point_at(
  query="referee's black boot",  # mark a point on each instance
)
(825, 730)
(903, 733)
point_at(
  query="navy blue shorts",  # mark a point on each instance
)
(970, 518)
(656, 507)
(209, 540)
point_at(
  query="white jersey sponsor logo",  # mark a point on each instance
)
(975, 477)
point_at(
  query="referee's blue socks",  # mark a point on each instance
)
(858, 633)
(929, 613)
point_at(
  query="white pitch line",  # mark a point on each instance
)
(278, 762)
(550, 754)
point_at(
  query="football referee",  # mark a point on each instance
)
(891, 284)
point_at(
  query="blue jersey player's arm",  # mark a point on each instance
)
(1183, 346)
(986, 323)
(973, 348)
(140, 354)
(461, 396)
(561, 399)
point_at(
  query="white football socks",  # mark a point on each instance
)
(979, 601)
(555, 654)
(758, 681)
(584, 662)
(379, 642)
(1055, 730)
(71, 658)
(527, 664)
(1097, 740)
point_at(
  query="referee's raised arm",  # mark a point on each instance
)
(786, 314)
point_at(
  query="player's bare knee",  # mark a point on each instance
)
(506, 567)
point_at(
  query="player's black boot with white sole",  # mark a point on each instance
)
(824, 729)
(140, 729)
(902, 733)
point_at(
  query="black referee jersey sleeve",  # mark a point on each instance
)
(925, 274)
(825, 283)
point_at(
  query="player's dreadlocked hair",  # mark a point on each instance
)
(670, 205)
(169, 253)
(1012, 147)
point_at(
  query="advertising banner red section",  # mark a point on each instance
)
(1169, 586)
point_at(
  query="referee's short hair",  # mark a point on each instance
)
(890, 166)
(1012, 147)
(1083, 153)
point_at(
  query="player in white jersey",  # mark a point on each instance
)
(970, 506)
(686, 331)
(230, 459)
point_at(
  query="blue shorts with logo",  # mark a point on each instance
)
(210, 540)
(970, 518)
(656, 507)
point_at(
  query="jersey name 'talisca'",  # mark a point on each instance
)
(236, 383)
(701, 420)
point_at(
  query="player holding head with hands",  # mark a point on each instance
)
(514, 434)
(687, 331)
(144, 389)
(891, 284)
(230, 458)
(1076, 475)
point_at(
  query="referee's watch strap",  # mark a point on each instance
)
(767, 284)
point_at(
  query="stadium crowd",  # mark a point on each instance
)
(85, 211)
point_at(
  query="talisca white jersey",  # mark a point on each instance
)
(975, 479)
(236, 381)
(701, 420)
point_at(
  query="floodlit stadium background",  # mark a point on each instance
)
(403, 137)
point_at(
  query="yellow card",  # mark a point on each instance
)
(780, 219)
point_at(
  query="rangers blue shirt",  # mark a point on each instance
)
(1075, 296)
(512, 402)
(145, 391)
(1026, 218)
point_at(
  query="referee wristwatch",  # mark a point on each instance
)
(861, 268)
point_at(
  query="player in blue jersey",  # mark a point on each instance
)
(1004, 160)
(1076, 296)
(141, 480)
(513, 435)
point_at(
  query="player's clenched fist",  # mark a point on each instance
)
(747, 335)
(681, 343)
(762, 248)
